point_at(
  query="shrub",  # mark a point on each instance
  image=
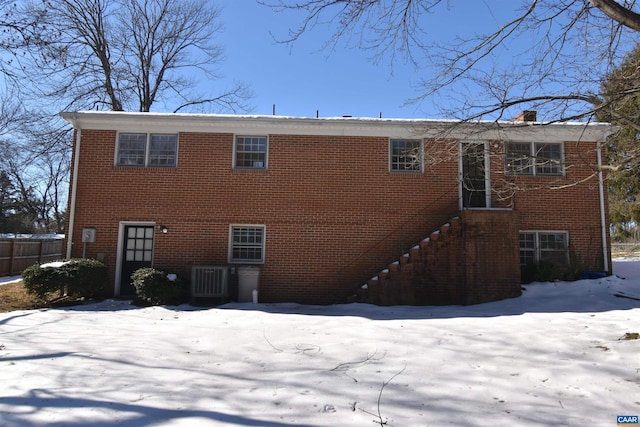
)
(77, 278)
(157, 287)
(41, 282)
(88, 278)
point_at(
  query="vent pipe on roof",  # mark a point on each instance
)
(273, 110)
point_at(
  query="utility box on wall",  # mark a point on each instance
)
(248, 281)
(88, 235)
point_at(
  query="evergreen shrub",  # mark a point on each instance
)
(158, 287)
(77, 278)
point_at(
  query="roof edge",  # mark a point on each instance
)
(345, 126)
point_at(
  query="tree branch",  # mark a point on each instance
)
(619, 13)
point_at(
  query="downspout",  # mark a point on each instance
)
(74, 190)
(603, 223)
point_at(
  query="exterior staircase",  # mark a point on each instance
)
(473, 258)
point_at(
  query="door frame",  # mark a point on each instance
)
(120, 249)
(487, 174)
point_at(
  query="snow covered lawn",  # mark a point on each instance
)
(553, 357)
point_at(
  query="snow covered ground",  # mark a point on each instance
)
(9, 279)
(553, 357)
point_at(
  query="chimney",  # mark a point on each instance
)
(526, 116)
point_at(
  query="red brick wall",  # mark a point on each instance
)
(492, 260)
(327, 202)
(561, 203)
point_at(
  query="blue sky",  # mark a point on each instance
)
(305, 78)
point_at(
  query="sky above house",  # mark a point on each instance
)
(306, 78)
(562, 354)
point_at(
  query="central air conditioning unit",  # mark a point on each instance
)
(209, 281)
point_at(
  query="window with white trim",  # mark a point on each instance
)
(405, 155)
(147, 150)
(250, 152)
(550, 246)
(246, 244)
(533, 158)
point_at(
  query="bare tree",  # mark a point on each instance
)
(543, 55)
(96, 54)
(37, 176)
(128, 54)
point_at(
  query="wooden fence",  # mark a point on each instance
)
(18, 254)
(625, 249)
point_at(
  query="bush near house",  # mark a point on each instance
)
(158, 287)
(76, 278)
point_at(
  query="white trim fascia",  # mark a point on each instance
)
(338, 126)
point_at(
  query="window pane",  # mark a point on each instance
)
(518, 158)
(406, 155)
(527, 257)
(247, 244)
(527, 249)
(527, 241)
(131, 149)
(553, 248)
(553, 241)
(251, 152)
(163, 150)
(548, 159)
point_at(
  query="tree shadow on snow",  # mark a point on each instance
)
(584, 296)
(133, 414)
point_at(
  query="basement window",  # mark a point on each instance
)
(536, 159)
(246, 244)
(250, 152)
(405, 155)
(548, 246)
(147, 150)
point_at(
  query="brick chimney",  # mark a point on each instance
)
(526, 116)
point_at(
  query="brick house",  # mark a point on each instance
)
(331, 210)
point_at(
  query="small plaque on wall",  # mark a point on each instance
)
(88, 235)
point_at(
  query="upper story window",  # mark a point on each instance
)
(405, 155)
(533, 158)
(250, 152)
(142, 149)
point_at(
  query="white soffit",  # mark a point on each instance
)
(337, 126)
